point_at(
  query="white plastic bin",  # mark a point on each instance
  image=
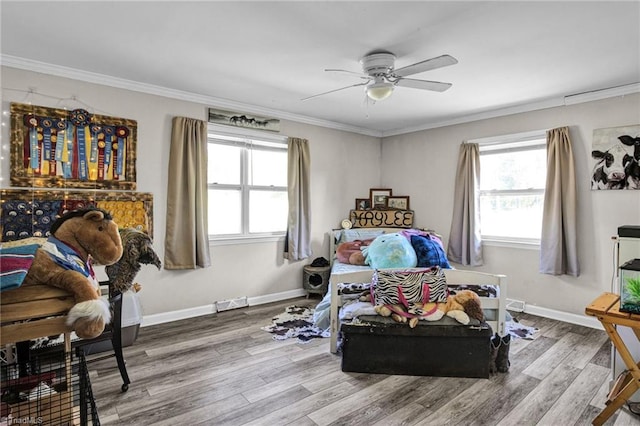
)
(131, 320)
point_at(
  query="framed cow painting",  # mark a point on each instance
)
(615, 158)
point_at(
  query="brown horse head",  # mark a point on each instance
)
(92, 232)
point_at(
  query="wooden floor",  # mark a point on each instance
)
(222, 369)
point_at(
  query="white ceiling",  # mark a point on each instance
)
(264, 57)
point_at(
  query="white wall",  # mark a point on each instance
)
(422, 165)
(344, 166)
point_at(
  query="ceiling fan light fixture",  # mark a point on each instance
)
(379, 90)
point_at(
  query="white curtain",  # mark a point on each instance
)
(558, 242)
(465, 243)
(298, 240)
(187, 237)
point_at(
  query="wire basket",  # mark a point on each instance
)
(48, 389)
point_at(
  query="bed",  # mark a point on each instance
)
(492, 288)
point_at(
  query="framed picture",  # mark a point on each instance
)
(398, 202)
(378, 197)
(614, 158)
(363, 204)
(238, 119)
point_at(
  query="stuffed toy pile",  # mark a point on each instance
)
(461, 306)
(405, 249)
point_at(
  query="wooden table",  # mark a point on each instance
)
(607, 309)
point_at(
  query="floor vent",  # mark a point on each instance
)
(515, 305)
(225, 305)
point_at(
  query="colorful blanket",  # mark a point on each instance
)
(14, 265)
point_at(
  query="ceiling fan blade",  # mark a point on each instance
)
(334, 90)
(359, 74)
(436, 86)
(429, 64)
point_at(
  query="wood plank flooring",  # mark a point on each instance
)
(221, 369)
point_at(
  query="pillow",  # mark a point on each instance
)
(358, 234)
(350, 252)
(429, 252)
(390, 251)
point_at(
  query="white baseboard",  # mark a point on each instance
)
(197, 311)
(181, 314)
(276, 297)
(582, 320)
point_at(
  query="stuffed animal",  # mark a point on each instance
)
(390, 251)
(64, 261)
(461, 306)
(137, 250)
(350, 252)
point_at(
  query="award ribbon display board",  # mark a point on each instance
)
(72, 149)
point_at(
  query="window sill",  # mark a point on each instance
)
(245, 240)
(517, 244)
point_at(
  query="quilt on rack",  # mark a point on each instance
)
(14, 265)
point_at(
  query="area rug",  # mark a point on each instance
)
(295, 322)
(519, 331)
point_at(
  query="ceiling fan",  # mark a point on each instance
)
(381, 76)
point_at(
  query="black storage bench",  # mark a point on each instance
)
(440, 348)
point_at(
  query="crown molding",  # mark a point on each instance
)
(596, 95)
(479, 116)
(573, 99)
(105, 80)
(210, 101)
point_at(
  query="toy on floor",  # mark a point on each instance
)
(64, 261)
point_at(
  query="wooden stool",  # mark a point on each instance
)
(607, 309)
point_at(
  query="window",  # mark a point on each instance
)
(247, 183)
(512, 181)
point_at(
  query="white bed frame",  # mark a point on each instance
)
(454, 277)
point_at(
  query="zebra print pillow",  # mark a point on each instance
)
(392, 287)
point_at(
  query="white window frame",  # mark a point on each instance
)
(244, 137)
(511, 143)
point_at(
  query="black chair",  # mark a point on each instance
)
(112, 332)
